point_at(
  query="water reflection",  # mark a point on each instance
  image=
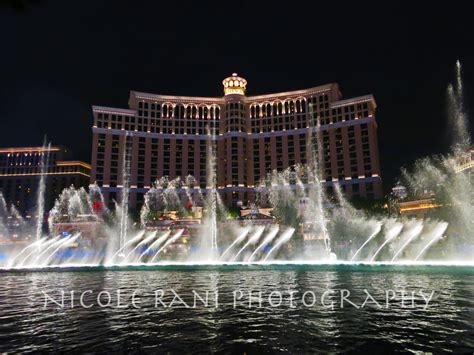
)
(25, 325)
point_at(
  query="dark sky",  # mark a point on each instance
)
(58, 58)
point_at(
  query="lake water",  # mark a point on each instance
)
(276, 308)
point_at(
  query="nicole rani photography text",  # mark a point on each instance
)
(239, 298)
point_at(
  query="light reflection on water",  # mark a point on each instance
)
(446, 324)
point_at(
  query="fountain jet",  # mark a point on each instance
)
(65, 243)
(155, 244)
(143, 242)
(238, 240)
(285, 237)
(271, 235)
(391, 235)
(438, 233)
(372, 236)
(170, 241)
(252, 240)
(411, 236)
(44, 162)
(129, 242)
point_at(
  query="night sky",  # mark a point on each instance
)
(58, 58)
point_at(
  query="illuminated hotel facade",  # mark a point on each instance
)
(21, 170)
(252, 136)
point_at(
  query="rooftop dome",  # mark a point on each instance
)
(234, 85)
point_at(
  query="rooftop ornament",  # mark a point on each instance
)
(234, 85)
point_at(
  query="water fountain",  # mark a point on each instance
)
(209, 238)
(3, 215)
(125, 191)
(44, 161)
(12, 222)
(181, 222)
(252, 240)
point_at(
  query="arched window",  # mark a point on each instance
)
(269, 110)
(179, 111)
(303, 105)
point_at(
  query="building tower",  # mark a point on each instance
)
(233, 146)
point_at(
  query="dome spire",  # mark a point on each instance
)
(234, 85)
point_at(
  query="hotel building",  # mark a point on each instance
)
(165, 135)
(21, 169)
